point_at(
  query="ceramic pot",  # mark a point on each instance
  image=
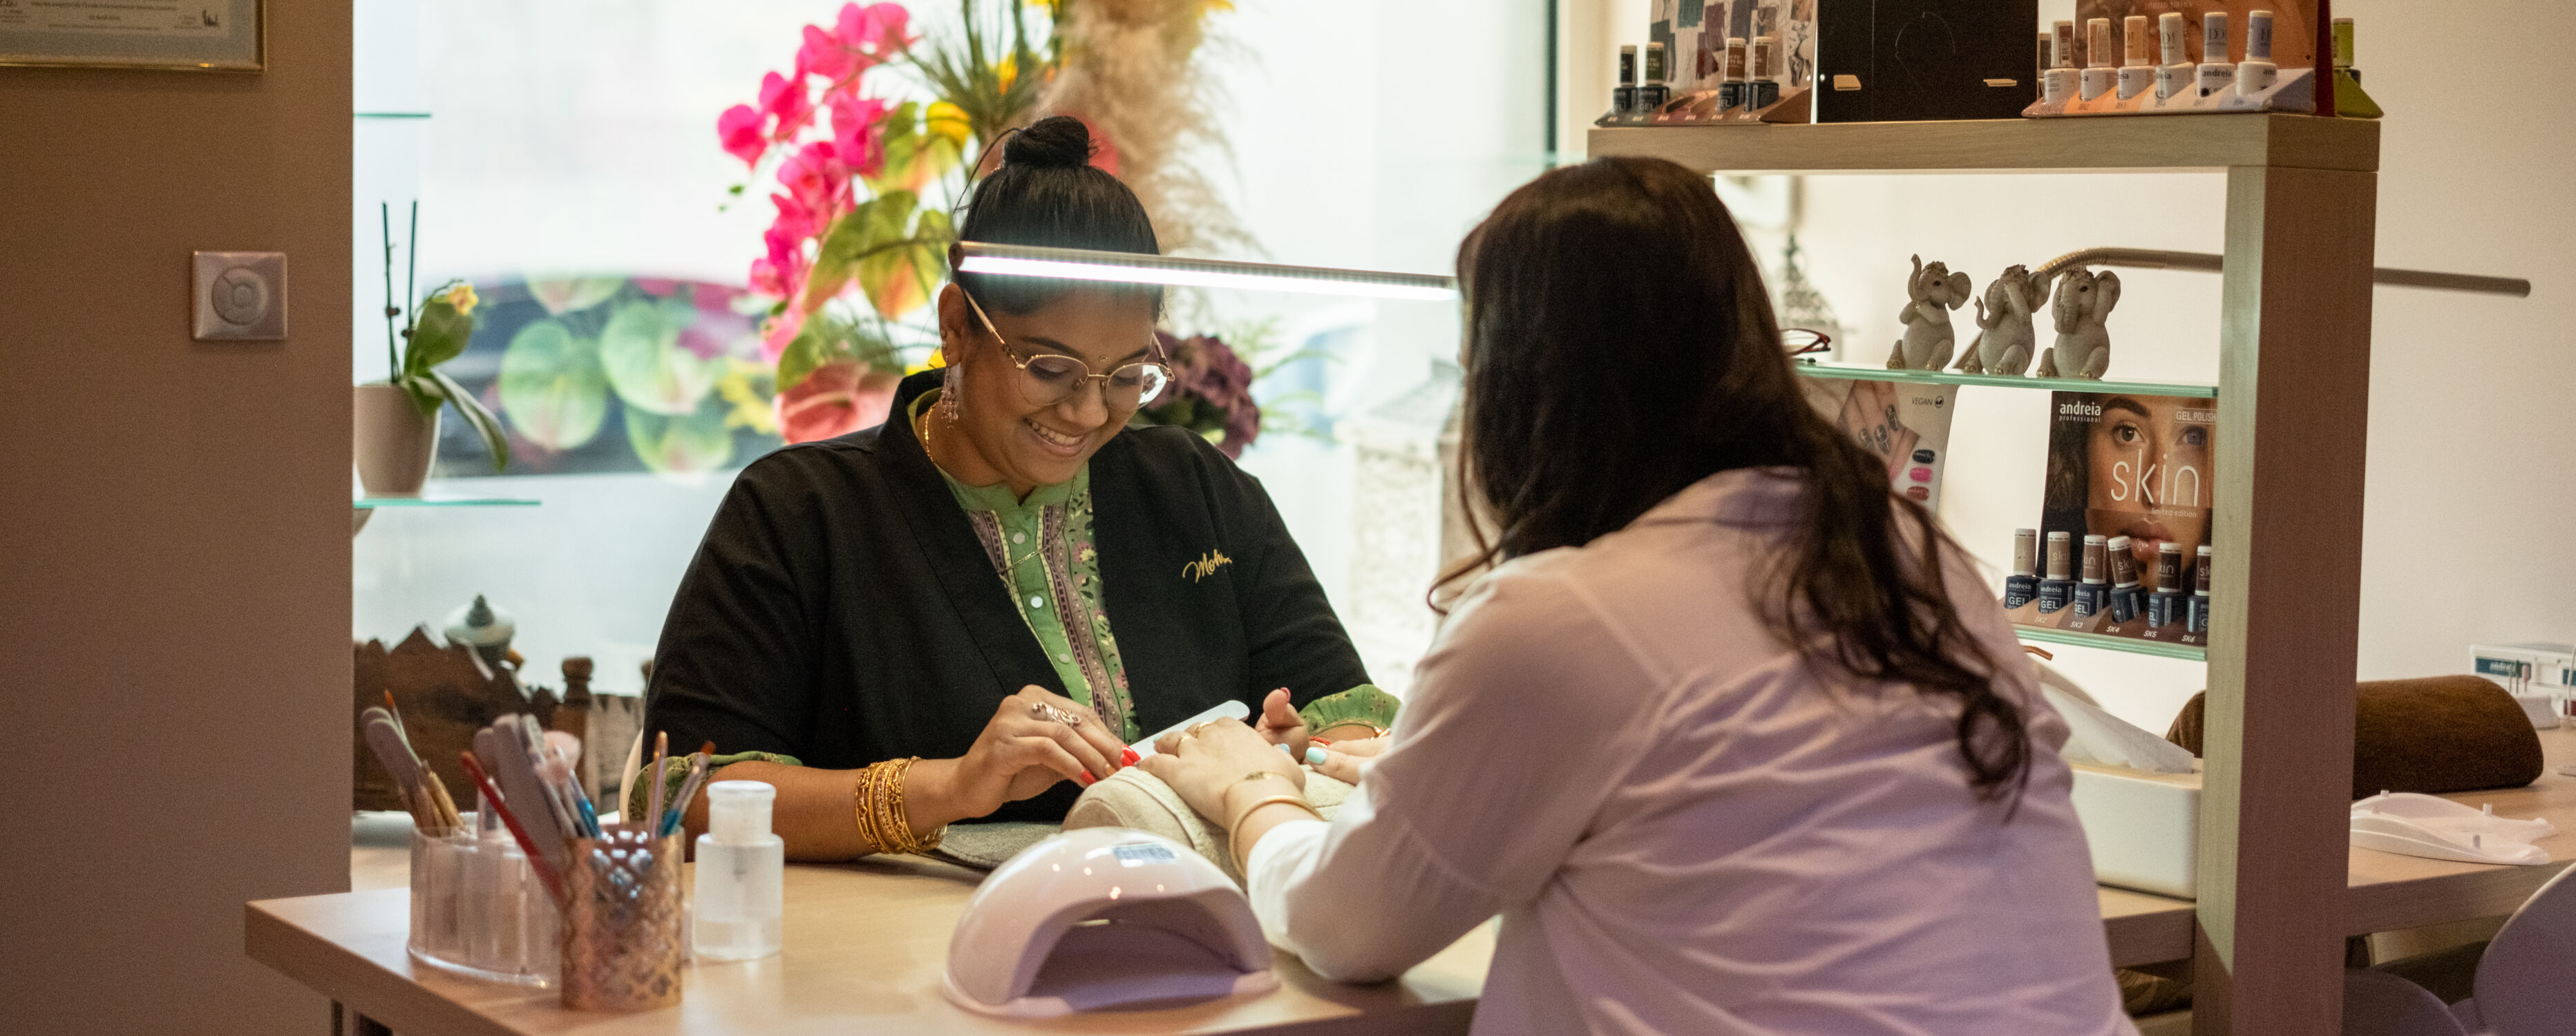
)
(394, 443)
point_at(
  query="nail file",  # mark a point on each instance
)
(1224, 710)
(507, 761)
(390, 750)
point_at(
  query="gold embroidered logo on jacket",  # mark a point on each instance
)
(1206, 565)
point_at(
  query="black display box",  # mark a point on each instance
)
(1917, 60)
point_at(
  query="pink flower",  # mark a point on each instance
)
(785, 100)
(858, 132)
(862, 38)
(782, 272)
(738, 129)
(815, 178)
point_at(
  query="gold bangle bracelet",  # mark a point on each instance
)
(879, 811)
(1234, 831)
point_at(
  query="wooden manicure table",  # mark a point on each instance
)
(866, 944)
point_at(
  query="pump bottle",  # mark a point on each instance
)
(741, 867)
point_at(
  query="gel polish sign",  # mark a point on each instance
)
(2130, 480)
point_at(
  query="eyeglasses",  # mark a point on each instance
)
(1047, 379)
(1799, 341)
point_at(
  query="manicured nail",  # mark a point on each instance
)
(1284, 749)
(1086, 780)
(1128, 757)
(1314, 757)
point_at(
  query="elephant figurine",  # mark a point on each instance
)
(2006, 337)
(2082, 308)
(1931, 292)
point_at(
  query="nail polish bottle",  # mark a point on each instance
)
(2174, 71)
(1623, 99)
(2099, 74)
(2350, 101)
(2059, 588)
(2256, 73)
(2093, 595)
(2216, 72)
(2165, 606)
(2198, 621)
(1730, 85)
(2124, 581)
(2063, 79)
(2137, 76)
(1652, 95)
(1763, 90)
(2023, 583)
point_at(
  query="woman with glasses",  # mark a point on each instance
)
(972, 609)
(1735, 740)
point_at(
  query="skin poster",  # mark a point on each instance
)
(1906, 425)
(2138, 466)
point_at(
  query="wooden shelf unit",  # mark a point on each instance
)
(2294, 345)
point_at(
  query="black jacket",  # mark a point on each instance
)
(841, 610)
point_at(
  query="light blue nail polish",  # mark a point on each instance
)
(1283, 749)
(1314, 756)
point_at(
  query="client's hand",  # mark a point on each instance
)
(1347, 761)
(1208, 765)
(1281, 725)
(1023, 750)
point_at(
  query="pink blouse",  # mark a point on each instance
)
(1683, 830)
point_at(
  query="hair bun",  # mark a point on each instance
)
(1054, 142)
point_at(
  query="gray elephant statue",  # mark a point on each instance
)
(1931, 293)
(2006, 335)
(2083, 309)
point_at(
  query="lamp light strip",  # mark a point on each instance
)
(1134, 268)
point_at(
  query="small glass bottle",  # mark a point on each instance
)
(741, 867)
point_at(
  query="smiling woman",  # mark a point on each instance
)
(912, 624)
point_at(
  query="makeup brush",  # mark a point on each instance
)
(698, 764)
(661, 751)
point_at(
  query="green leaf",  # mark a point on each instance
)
(573, 294)
(495, 442)
(825, 339)
(689, 444)
(900, 275)
(552, 386)
(426, 393)
(870, 226)
(440, 335)
(640, 350)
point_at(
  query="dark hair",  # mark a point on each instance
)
(1620, 347)
(1048, 193)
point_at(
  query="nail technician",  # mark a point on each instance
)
(1733, 739)
(956, 614)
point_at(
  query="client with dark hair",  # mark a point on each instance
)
(1733, 738)
(961, 612)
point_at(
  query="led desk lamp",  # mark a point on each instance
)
(1137, 268)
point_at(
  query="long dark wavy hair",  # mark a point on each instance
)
(1620, 347)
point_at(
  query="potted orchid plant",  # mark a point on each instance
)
(396, 420)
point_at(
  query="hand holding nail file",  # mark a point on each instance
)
(1223, 710)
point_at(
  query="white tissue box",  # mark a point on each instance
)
(2143, 828)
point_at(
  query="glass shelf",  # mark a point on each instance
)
(372, 502)
(2140, 388)
(391, 115)
(2132, 645)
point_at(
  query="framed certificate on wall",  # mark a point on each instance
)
(195, 35)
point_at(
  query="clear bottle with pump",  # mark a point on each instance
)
(741, 867)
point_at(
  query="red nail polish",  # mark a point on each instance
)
(1086, 780)
(1128, 757)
